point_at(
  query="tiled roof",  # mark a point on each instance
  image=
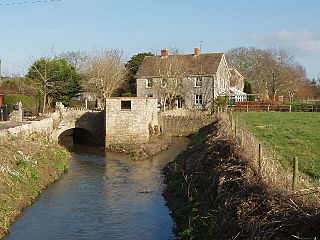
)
(202, 64)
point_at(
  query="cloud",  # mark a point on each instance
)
(309, 46)
(302, 42)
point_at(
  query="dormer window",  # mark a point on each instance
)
(149, 83)
(198, 82)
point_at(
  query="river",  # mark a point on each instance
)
(103, 196)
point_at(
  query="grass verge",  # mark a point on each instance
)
(27, 166)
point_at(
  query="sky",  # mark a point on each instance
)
(30, 30)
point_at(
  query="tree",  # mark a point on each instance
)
(105, 72)
(171, 72)
(132, 66)
(54, 79)
(271, 72)
(77, 59)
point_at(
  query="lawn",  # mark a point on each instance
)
(290, 134)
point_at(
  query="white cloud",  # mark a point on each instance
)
(309, 46)
(293, 36)
(302, 42)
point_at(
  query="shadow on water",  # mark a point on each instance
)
(104, 195)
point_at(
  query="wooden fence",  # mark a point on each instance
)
(264, 160)
(274, 108)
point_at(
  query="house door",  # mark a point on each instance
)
(179, 102)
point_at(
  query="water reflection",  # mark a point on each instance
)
(103, 196)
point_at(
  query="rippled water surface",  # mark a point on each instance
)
(102, 196)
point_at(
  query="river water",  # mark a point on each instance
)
(103, 196)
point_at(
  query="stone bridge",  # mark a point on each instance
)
(89, 124)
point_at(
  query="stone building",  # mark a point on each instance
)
(130, 119)
(206, 76)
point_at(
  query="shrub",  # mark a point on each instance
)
(27, 101)
(126, 94)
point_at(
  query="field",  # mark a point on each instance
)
(290, 134)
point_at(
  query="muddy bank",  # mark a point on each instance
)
(143, 151)
(27, 166)
(214, 194)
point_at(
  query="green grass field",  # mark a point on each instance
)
(290, 134)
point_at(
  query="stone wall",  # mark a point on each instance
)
(133, 125)
(184, 124)
(44, 127)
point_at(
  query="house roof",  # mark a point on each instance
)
(236, 92)
(202, 64)
(235, 72)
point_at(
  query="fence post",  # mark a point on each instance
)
(268, 108)
(260, 157)
(295, 173)
(247, 108)
(290, 108)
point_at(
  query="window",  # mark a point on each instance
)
(198, 99)
(198, 82)
(125, 105)
(164, 82)
(149, 95)
(149, 83)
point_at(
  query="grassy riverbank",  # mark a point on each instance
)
(294, 134)
(27, 166)
(215, 194)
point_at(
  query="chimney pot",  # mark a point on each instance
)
(164, 53)
(196, 51)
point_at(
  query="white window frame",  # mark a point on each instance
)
(198, 99)
(163, 82)
(196, 79)
(149, 83)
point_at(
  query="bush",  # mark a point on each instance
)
(27, 101)
(126, 94)
(220, 104)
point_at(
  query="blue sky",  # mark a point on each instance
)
(28, 30)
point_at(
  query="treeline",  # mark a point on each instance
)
(273, 72)
(104, 72)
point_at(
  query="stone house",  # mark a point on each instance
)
(206, 77)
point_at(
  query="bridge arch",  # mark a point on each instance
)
(78, 136)
(81, 125)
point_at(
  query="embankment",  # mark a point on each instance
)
(27, 166)
(214, 193)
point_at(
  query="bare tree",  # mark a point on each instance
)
(172, 70)
(271, 72)
(77, 59)
(105, 72)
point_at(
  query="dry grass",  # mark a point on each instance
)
(216, 191)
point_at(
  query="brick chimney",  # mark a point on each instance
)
(196, 51)
(164, 53)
